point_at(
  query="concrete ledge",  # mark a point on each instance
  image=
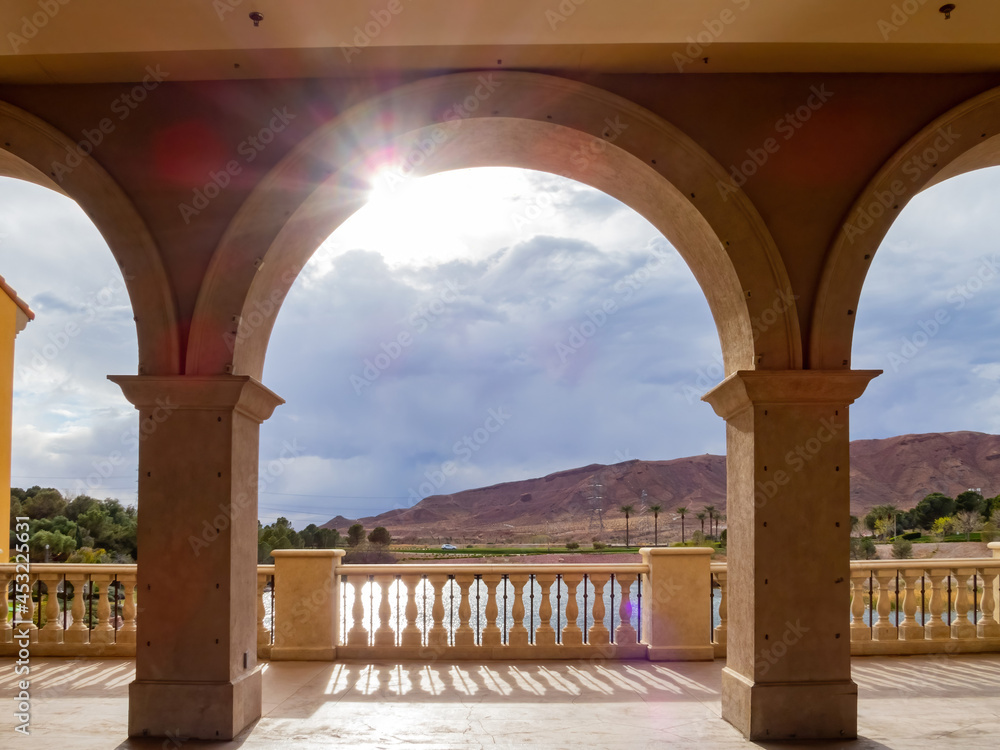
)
(301, 653)
(938, 646)
(490, 653)
(790, 710)
(194, 710)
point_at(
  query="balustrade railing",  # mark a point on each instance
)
(310, 606)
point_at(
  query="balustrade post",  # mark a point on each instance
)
(464, 634)
(884, 629)
(306, 604)
(28, 614)
(491, 633)
(78, 631)
(936, 628)
(962, 627)
(126, 634)
(995, 548)
(411, 633)
(676, 621)
(6, 629)
(103, 632)
(598, 635)
(519, 635)
(52, 631)
(909, 628)
(988, 626)
(357, 634)
(438, 633)
(625, 633)
(859, 587)
(572, 635)
(545, 634)
(263, 632)
(384, 635)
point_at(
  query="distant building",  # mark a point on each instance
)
(14, 316)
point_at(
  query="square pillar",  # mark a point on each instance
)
(306, 604)
(788, 669)
(196, 642)
(676, 617)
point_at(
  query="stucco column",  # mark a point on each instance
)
(788, 668)
(196, 643)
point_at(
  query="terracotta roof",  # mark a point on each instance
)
(6, 288)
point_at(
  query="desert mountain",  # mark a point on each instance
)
(899, 470)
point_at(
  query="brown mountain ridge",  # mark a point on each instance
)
(899, 470)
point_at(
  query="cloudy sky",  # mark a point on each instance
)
(481, 326)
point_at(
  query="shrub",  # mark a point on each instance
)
(380, 535)
(572, 545)
(902, 549)
(599, 545)
(911, 535)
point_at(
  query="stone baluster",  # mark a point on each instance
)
(126, 634)
(936, 628)
(962, 627)
(988, 627)
(52, 631)
(438, 633)
(719, 634)
(598, 635)
(519, 635)
(358, 633)
(909, 628)
(78, 631)
(104, 631)
(545, 634)
(384, 635)
(27, 610)
(492, 635)
(263, 632)
(572, 635)
(411, 635)
(465, 635)
(884, 629)
(625, 633)
(6, 629)
(859, 587)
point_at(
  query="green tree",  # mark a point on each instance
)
(355, 534)
(655, 510)
(967, 521)
(682, 512)
(380, 535)
(279, 535)
(626, 509)
(931, 508)
(45, 504)
(970, 500)
(59, 545)
(863, 548)
(710, 510)
(902, 549)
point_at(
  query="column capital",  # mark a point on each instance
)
(241, 393)
(746, 388)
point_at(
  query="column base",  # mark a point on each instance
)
(194, 710)
(790, 710)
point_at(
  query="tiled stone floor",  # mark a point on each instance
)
(905, 702)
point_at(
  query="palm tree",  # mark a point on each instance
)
(626, 509)
(701, 516)
(710, 509)
(656, 522)
(682, 512)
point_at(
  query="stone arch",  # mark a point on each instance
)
(961, 140)
(32, 150)
(498, 119)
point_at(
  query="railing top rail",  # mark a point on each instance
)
(927, 563)
(265, 569)
(76, 568)
(719, 567)
(471, 569)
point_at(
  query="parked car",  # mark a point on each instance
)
(448, 546)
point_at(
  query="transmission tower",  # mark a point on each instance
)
(596, 500)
